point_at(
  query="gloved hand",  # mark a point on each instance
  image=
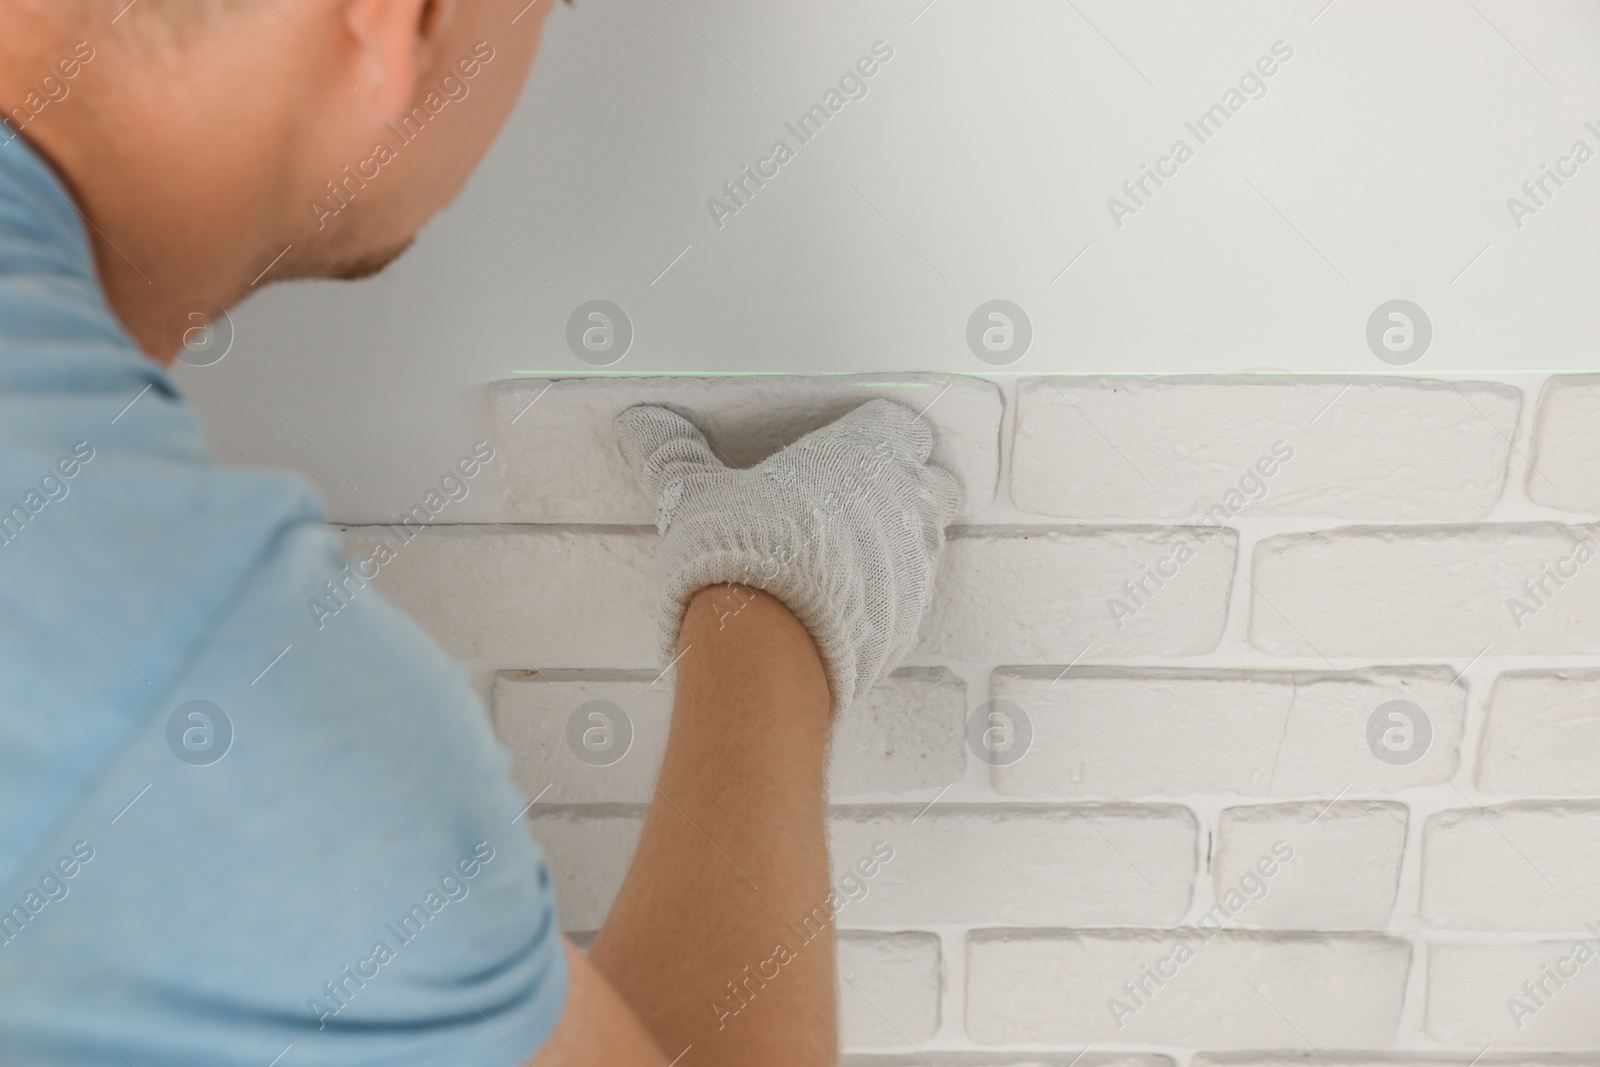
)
(845, 526)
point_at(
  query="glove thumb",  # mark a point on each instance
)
(662, 446)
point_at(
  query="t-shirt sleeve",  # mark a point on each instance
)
(309, 853)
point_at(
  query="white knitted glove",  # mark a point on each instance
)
(845, 526)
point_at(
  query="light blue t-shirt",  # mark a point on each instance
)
(350, 882)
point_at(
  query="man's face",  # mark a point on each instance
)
(371, 186)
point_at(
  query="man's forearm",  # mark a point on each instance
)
(705, 939)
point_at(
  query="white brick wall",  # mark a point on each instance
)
(889, 986)
(1042, 593)
(1376, 592)
(1190, 441)
(1345, 868)
(1542, 733)
(1477, 996)
(1565, 462)
(1082, 1058)
(1198, 705)
(1039, 865)
(1512, 867)
(1126, 733)
(1238, 990)
(1395, 1059)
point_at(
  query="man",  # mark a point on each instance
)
(233, 834)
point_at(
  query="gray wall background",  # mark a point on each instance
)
(1376, 166)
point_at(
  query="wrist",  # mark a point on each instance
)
(733, 612)
(751, 633)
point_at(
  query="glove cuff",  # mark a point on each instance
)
(818, 613)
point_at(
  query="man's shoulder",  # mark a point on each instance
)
(120, 552)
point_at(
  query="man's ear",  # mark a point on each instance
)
(395, 43)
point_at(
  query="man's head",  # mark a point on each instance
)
(203, 138)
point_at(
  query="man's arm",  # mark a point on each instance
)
(597, 1028)
(721, 938)
(733, 851)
